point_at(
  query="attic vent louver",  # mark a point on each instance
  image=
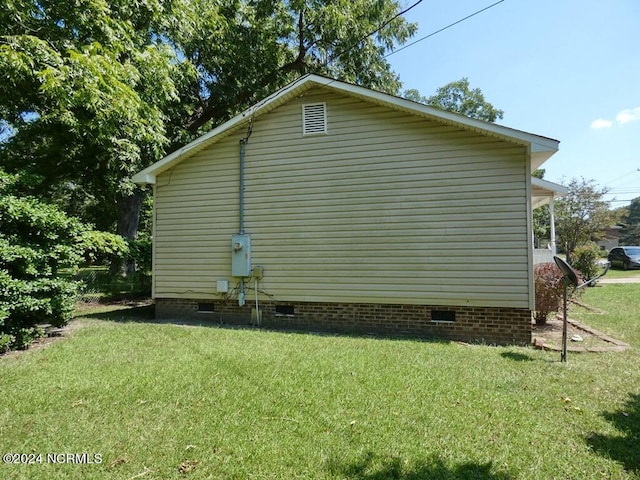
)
(314, 118)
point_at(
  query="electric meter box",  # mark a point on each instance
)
(241, 255)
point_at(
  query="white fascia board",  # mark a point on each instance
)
(541, 147)
(143, 178)
(538, 143)
(149, 174)
(556, 189)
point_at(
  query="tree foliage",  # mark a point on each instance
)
(95, 90)
(541, 218)
(84, 98)
(582, 215)
(460, 98)
(585, 259)
(36, 241)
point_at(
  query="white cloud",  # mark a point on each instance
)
(600, 123)
(628, 115)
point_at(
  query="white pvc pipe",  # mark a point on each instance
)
(257, 307)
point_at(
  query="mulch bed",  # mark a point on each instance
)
(549, 337)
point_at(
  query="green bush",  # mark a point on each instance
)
(36, 241)
(6, 341)
(140, 251)
(101, 248)
(25, 336)
(585, 259)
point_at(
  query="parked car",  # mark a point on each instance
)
(624, 257)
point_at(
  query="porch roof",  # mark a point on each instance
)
(543, 191)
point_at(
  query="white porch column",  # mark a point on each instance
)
(553, 225)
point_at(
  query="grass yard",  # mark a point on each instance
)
(162, 401)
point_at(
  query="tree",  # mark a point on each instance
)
(458, 97)
(582, 215)
(97, 90)
(83, 99)
(631, 218)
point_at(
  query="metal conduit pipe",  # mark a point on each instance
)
(243, 143)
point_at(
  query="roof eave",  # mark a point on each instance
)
(544, 191)
(541, 147)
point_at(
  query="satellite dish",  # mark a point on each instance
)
(567, 271)
(571, 277)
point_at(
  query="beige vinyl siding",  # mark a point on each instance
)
(196, 212)
(384, 208)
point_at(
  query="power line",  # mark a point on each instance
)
(380, 27)
(623, 176)
(629, 191)
(443, 29)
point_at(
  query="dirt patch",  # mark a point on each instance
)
(580, 337)
(91, 307)
(53, 335)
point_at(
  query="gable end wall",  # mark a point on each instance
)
(385, 208)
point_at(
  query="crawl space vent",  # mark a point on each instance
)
(314, 118)
(206, 307)
(287, 310)
(443, 316)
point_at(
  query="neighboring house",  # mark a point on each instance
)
(350, 210)
(611, 237)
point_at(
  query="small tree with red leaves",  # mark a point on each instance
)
(548, 289)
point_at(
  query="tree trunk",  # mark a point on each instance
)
(129, 207)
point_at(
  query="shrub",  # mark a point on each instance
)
(548, 291)
(585, 259)
(101, 248)
(6, 341)
(140, 252)
(36, 241)
(25, 336)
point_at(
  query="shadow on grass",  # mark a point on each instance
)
(372, 466)
(623, 448)
(124, 312)
(516, 356)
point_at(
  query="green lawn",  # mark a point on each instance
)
(151, 398)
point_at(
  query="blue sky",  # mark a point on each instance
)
(565, 69)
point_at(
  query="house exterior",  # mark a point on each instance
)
(331, 207)
(543, 193)
(611, 237)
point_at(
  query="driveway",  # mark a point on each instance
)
(606, 280)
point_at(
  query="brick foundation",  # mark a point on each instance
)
(501, 326)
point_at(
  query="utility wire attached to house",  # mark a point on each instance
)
(380, 27)
(443, 29)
